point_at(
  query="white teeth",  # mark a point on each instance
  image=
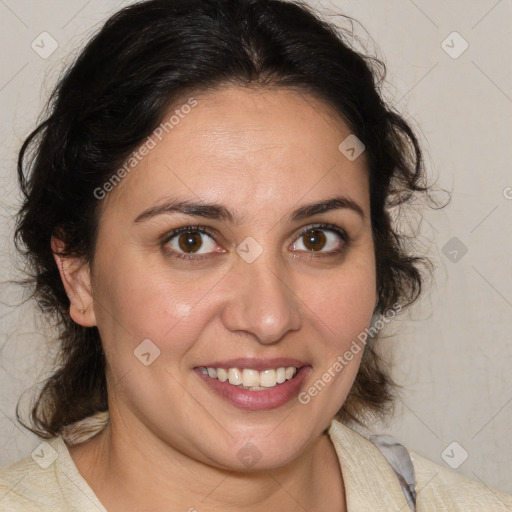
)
(222, 374)
(280, 375)
(268, 378)
(251, 379)
(235, 377)
(290, 372)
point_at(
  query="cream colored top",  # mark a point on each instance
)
(54, 484)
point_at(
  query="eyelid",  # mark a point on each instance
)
(184, 229)
(323, 226)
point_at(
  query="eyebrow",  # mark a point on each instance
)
(216, 211)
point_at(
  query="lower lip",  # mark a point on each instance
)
(262, 400)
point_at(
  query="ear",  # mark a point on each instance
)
(76, 278)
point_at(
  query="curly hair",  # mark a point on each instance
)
(114, 95)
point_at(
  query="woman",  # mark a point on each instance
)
(206, 216)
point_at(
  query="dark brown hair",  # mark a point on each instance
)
(116, 93)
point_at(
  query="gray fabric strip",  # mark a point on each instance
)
(401, 462)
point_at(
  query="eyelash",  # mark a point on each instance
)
(210, 232)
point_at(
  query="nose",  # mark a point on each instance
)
(262, 302)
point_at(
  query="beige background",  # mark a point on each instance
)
(454, 352)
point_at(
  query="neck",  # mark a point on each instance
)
(130, 469)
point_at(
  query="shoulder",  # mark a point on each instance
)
(438, 488)
(26, 486)
(450, 490)
(46, 481)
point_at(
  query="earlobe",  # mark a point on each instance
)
(76, 278)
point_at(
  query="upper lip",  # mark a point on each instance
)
(255, 363)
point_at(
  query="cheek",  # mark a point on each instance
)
(339, 314)
(343, 305)
(136, 300)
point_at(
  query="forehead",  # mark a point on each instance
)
(243, 146)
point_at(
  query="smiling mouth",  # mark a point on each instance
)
(249, 379)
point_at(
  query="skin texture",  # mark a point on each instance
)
(172, 443)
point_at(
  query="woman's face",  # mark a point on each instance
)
(274, 270)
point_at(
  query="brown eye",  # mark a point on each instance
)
(190, 242)
(314, 240)
(325, 240)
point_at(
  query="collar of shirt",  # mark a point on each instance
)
(370, 482)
